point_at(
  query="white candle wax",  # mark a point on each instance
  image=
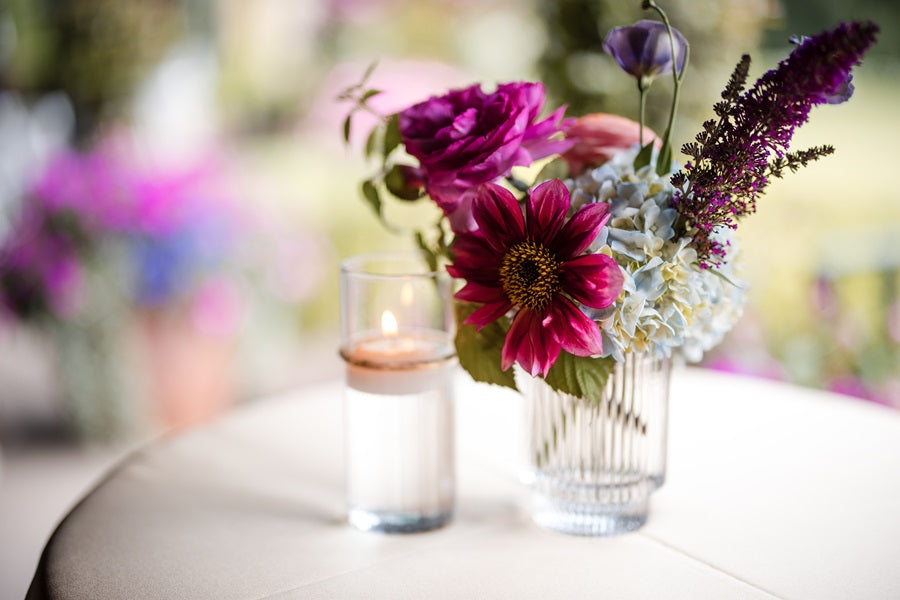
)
(409, 362)
(400, 423)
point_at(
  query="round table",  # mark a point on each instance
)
(773, 491)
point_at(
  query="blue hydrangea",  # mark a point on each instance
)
(668, 302)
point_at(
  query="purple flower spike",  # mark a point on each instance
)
(643, 49)
(844, 90)
(735, 157)
(842, 93)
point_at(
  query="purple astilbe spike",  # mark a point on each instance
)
(734, 157)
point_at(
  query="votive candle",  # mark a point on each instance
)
(397, 330)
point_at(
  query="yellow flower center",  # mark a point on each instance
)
(530, 275)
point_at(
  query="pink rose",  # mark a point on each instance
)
(598, 137)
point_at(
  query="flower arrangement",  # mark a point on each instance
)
(612, 248)
(159, 235)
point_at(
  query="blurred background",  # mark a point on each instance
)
(175, 197)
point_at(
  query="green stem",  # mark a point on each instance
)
(642, 93)
(676, 76)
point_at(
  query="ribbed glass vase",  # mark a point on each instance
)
(595, 461)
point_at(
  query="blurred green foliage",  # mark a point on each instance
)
(578, 73)
(96, 51)
(273, 57)
(811, 16)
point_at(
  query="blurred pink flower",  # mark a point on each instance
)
(64, 280)
(284, 251)
(94, 186)
(40, 273)
(176, 224)
(598, 137)
(402, 83)
(768, 369)
(850, 385)
(217, 307)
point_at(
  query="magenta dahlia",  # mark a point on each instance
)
(535, 264)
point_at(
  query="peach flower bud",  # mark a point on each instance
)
(598, 137)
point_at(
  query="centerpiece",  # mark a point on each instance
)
(589, 257)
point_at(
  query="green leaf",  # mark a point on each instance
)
(369, 94)
(370, 142)
(480, 352)
(643, 157)
(397, 184)
(664, 161)
(580, 376)
(373, 199)
(392, 137)
(370, 193)
(347, 128)
(555, 169)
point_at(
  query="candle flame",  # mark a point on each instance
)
(388, 324)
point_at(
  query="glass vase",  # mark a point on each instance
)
(595, 461)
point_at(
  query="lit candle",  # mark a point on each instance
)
(399, 399)
(399, 361)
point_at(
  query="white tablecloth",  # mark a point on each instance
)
(773, 492)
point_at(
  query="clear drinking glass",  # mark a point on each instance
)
(397, 342)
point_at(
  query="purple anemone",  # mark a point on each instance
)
(644, 51)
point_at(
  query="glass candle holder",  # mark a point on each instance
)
(397, 342)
